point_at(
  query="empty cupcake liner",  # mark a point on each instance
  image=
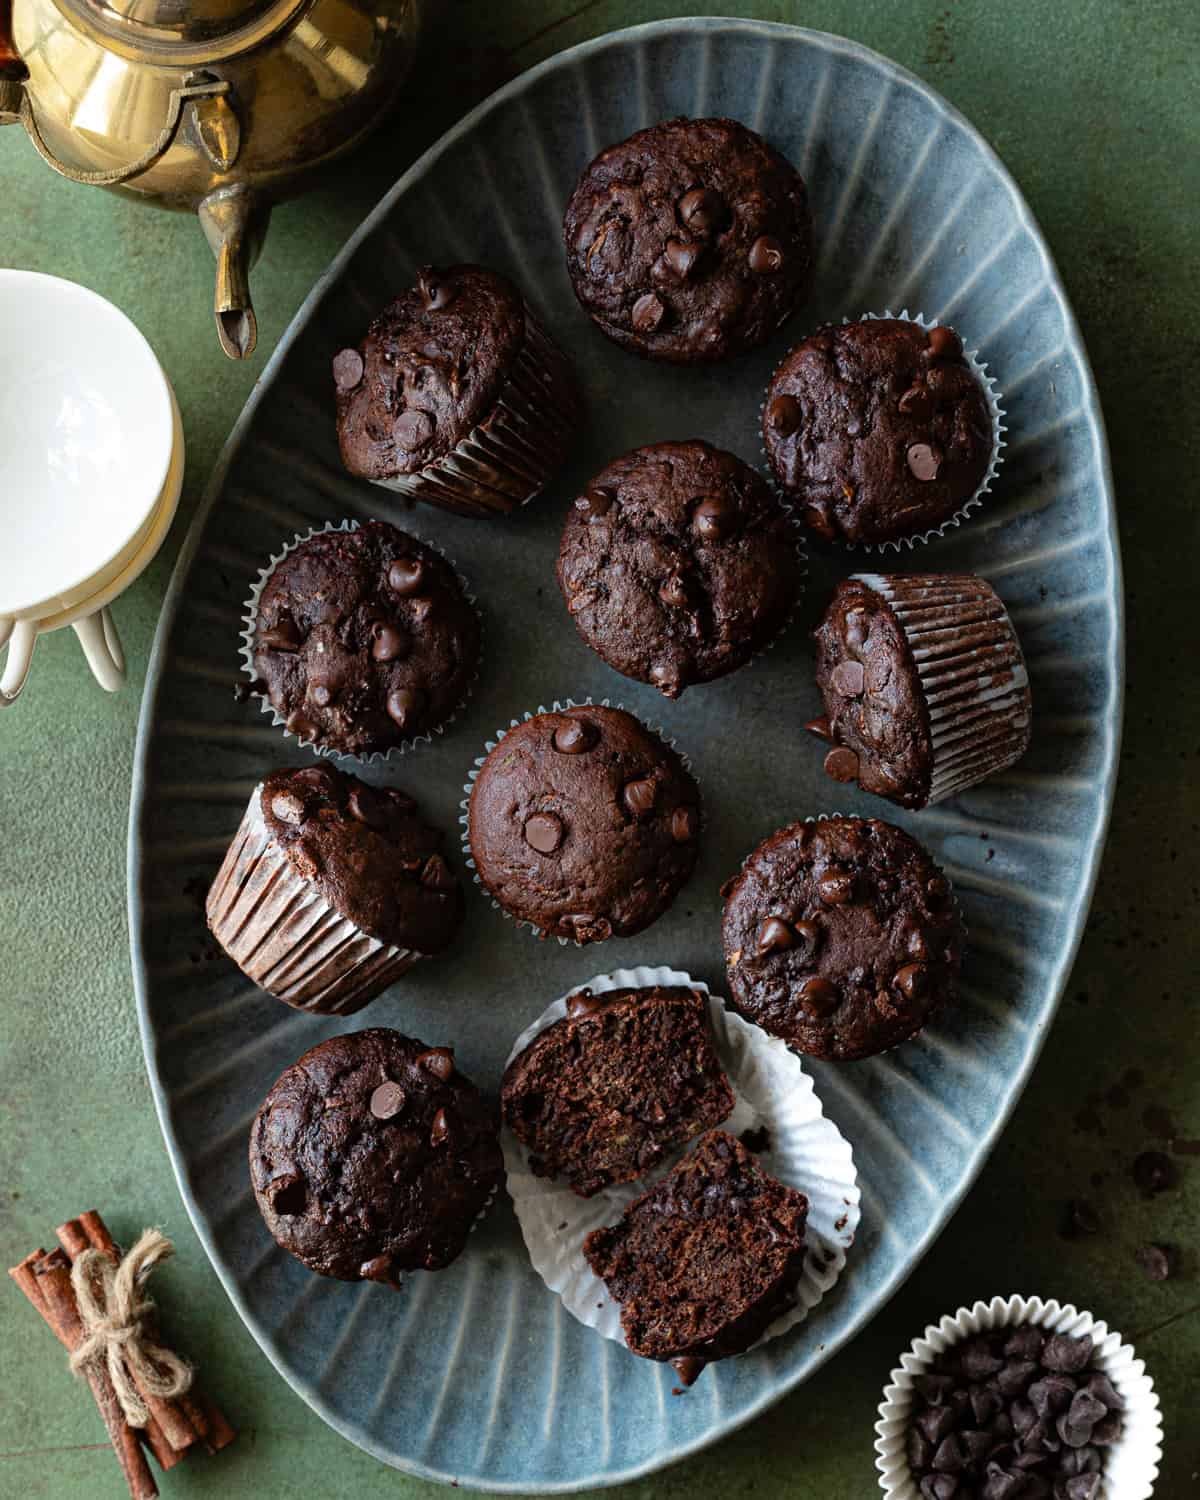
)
(284, 935)
(773, 1092)
(972, 672)
(508, 459)
(557, 707)
(999, 428)
(246, 652)
(1131, 1464)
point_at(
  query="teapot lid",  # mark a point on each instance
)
(203, 29)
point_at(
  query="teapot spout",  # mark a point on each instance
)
(234, 220)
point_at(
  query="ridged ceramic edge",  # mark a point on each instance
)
(806, 1151)
(1134, 1457)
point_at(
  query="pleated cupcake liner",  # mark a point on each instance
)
(974, 682)
(250, 625)
(511, 455)
(999, 428)
(557, 707)
(1130, 1464)
(805, 1150)
(284, 935)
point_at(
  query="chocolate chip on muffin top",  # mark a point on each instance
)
(369, 852)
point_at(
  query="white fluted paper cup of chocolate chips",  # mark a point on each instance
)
(1019, 1398)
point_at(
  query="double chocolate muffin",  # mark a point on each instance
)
(457, 396)
(841, 936)
(704, 1262)
(371, 1156)
(690, 241)
(332, 889)
(584, 823)
(881, 430)
(624, 1077)
(678, 564)
(924, 685)
(364, 640)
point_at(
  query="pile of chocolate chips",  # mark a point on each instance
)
(1014, 1415)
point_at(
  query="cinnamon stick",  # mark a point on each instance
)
(53, 1276)
(88, 1231)
(25, 1278)
(220, 1433)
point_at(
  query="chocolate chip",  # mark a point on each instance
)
(807, 936)
(381, 1268)
(648, 312)
(406, 575)
(287, 1194)
(1082, 1487)
(584, 1003)
(766, 255)
(1154, 1172)
(439, 1061)
(288, 808)
(388, 643)
(1001, 1484)
(924, 461)
(919, 1449)
(543, 832)
(937, 889)
(667, 678)
(774, 936)
(282, 636)
(1024, 1342)
(684, 822)
(713, 518)
(977, 1444)
(936, 1423)
(848, 678)
(1017, 1373)
(841, 764)
(673, 591)
(365, 807)
(437, 291)
(944, 343)
(939, 1487)
(437, 874)
(323, 693)
(1050, 1394)
(402, 705)
(985, 1403)
(784, 416)
(1067, 1355)
(1023, 1417)
(976, 1357)
(412, 429)
(913, 982)
(1158, 1261)
(681, 257)
(1103, 1389)
(574, 736)
(819, 997)
(387, 1101)
(347, 369)
(585, 928)
(916, 402)
(301, 725)
(639, 796)
(1107, 1430)
(934, 1387)
(949, 1456)
(820, 728)
(703, 210)
(440, 1130)
(836, 888)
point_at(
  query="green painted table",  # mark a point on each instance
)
(1093, 106)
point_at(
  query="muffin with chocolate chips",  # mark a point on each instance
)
(457, 396)
(363, 640)
(690, 241)
(678, 564)
(924, 685)
(584, 824)
(332, 889)
(373, 1155)
(841, 936)
(880, 430)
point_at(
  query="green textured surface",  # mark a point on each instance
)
(1094, 108)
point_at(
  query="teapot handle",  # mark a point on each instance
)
(211, 88)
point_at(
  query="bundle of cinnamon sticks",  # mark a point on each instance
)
(175, 1427)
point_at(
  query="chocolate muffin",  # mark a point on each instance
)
(457, 396)
(841, 936)
(881, 430)
(332, 889)
(584, 823)
(924, 685)
(363, 640)
(601, 1095)
(690, 241)
(704, 1262)
(678, 564)
(371, 1156)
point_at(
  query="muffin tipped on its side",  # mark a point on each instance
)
(601, 1095)
(706, 1261)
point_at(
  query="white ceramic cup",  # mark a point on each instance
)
(91, 465)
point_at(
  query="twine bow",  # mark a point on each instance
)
(120, 1328)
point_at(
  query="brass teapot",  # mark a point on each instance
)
(217, 106)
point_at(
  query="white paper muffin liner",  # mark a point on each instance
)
(246, 652)
(999, 428)
(557, 707)
(972, 672)
(805, 1151)
(511, 456)
(284, 935)
(1130, 1464)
